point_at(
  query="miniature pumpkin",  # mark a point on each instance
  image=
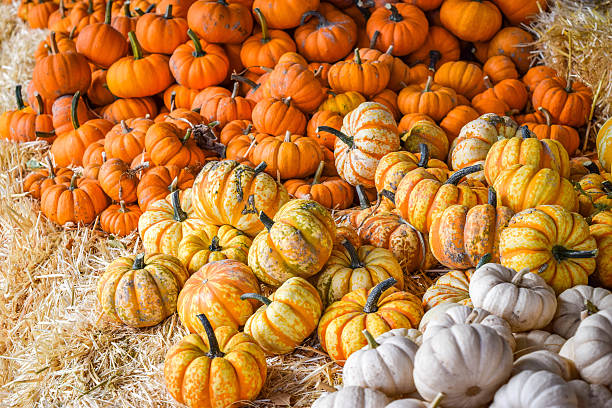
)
(537, 74)
(120, 219)
(125, 140)
(455, 119)
(534, 389)
(534, 340)
(330, 192)
(160, 181)
(341, 103)
(463, 77)
(593, 348)
(117, 179)
(284, 14)
(566, 135)
(452, 287)
(275, 117)
(594, 190)
(428, 133)
(352, 396)
(601, 230)
(366, 77)
(500, 67)
(512, 42)
(431, 99)
(168, 144)
(440, 41)
(221, 21)
(604, 145)
(567, 104)
(141, 290)
(402, 26)
(39, 180)
(591, 395)
(471, 21)
(576, 303)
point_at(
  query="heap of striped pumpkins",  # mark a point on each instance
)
(328, 154)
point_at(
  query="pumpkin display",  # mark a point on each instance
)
(575, 303)
(354, 396)
(378, 310)
(533, 389)
(220, 369)
(403, 26)
(297, 242)
(366, 77)
(601, 230)
(141, 290)
(38, 181)
(287, 318)
(330, 192)
(120, 219)
(552, 242)
(215, 290)
(212, 243)
(496, 289)
(452, 287)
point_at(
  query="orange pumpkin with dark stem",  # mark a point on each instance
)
(38, 181)
(566, 135)
(94, 154)
(441, 41)
(511, 42)
(537, 74)
(297, 82)
(471, 20)
(400, 72)
(160, 181)
(25, 124)
(500, 67)
(324, 118)
(125, 140)
(224, 109)
(366, 77)
(78, 202)
(126, 22)
(409, 119)
(276, 116)
(65, 44)
(137, 75)
(330, 192)
(456, 118)
(464, 77)
(129, 108)
(234, 129)
(101, 43)
(241, 147)
(220, 21)
(83, 14)
(120, 219)
(568, 105)
(118, 181)
(511, 91)
(61, 112)
(60, 74)
(198, 67)
(161, 34)
(179, 96)
(264, 49)
(167, 144)
(285, 14)
(400, 25)
(430, 99)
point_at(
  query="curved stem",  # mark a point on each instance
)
(136, 50)
(265, 220)
(371, 305)
(108, 12)
(124, 127)
(138, 262)
(459, 174)
(150, 8)
(346, 139)
(264, 25)
(73, 110)
(487, 82)
(168, 14)
(389, 195)
(51, 169)
(357, 56)
(424, 149)
(518, 278)
(525, 132)
(434, 57)
(214, 245)
(213, 345)
(436, 401)
(322, 21)
(199, 52)
(492, 197)
(126, 9)
(53, 43)
(260, 168)
(370, 339)
(355, 262)
(546, 114)
(317, 177)
(364, 203)
(245, 80)
(486, 258)
(19, 97)
(90, 7)
(187, 136)
(256, 296)
(40, 104)
(561, 253)
(179, 214)
(73, 180)
(374, 39)
(395, 16)
(428, 84)
(235, 90)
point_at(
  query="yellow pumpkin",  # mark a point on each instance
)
(342, 103)
(604, 145)
(452, 287)
(601, 230)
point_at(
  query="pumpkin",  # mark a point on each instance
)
(212, 243)
(512, 42)
(287, 318)
(604, 145)
(224, 109)
(591, 395)
(461, 236)
(403, 26)
(161, 33)
(284, 14)
(430, 99)
(567, 104)
(452, 287)
(440, 41)
(120, 219)
(428, 133)
(141, 290)
(521, 187)
(463, 77)
(38, 14)
(138, 75)
(167, 221)
(551, 241)
(98, 93)
(350, 268)
(342, 103)
(594, 190)
(327, 37)
(179, 96)
(39, 180)
(378, 310)
(534, 340)
(566, 135)
(222, 194)
(330, 192)
(167, 144)
(215, 290)
(296, 81)
(462, 348)
(83, 14)
(500, 67)
(400, 73)
(523, 11)
(601, 230)
(125, 22)
(455, 119)
(537, 74)
(298, 242)
(61, 111)
(497, 289)
(576, 303)
(160, 181)
(471, 20)
(225, 367)
(276, 116)
(128, 108)
(512, 92)
(384, 365)
(352, 396)
(25, 124)
(535, 389)
(220, 21)
(324, 118)
(125, 140)
(118, 181)
(241, 148)
(366, 77)
(416, 403)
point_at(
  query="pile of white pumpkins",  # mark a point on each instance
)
(511, 344)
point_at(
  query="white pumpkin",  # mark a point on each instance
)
(528, 342)
(593, 348)
(467, 363)
(416, 403)
(535, 389)
(523, 298)
(568, 349)
(384, 365)
(411, 334)
(546, 360)
(467, 315)
(575, 303)
(355, 397)
(591, 395)
(433, 312)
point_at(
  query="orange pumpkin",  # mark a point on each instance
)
(464, 77)
(511, 42)
(537, 74)
(566, 135)
(160, 181)
(224, 109)
(98, 93)
(430, 99)
(179, 96)
(568, 105)
(220, 21)
(471, 20)
(400, 25)
(276, 116)
(167, 144)
(161, 34)
(125, 140)
(455, 119)
(440, 41)
(500, 67)
(118, 181)
(61, 112)
(39, 180)
(128, 108)
(297, 82)
(366, 77)
(330, 192)
(324, 118)
(120, 220)
(284, 14)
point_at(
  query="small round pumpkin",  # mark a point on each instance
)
(452, 287)
(534, 389)
(430, 98)
(403, 26)
(366, 77)
(575, 304)
(39, 180)
(593, 348)
(120, 219)
(471, 20)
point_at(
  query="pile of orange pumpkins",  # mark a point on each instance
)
(328, 150)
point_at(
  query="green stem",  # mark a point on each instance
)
(187, 136)
(346, 139)
(53, 43)
(355, 262)
(371, 305)
(256, 296)
(136, 50)
(40, 103)
(213, 345)
(317, 177)
(214, 245)
(436, 401)
(428, 84)
(357, 56)
(456, 177)
(263, 24)
(74, 109)
(486, 258)
(199, 52)
(45, 135)
(179, 214)
(138, 262)
(90, 8)
(73, 182)
(424, 149)
(108, 12)
(370, 339)
(19, 98)
(590, 307)
(561, 253)
(265, 220)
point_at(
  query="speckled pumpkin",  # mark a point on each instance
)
(551, 241)
(287, 318)
(141, 290)
(594, 190)
(379, 310)
(298, 242)
(452, 287)
(216, 370)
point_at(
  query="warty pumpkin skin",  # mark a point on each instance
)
(287, 318)
(350, 268)
(402, 26)
(212, 243)
(220, 21)
(366, 77)
(594, 190)
(120, 219)
(222, 194)
(551, 241)
(141, 290)
(216, 370)
(166, 221)
(601, 230)
(378, 310)
(452, 287)
(215, 290)
(298, 242)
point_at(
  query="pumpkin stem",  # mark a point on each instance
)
(72, 32)
(53, 43)
(263, 24)
(355, 262)
(487, 82)
(525, 132)
(90, 7)
(471, 317)
(561, 253)
(591, 167)
(39, 103)
(51, 169)
(388, 194)
(590, 307)
(248, 129)
(434, 57)
(62, 9)
(424, 149)
(436, 401)
(260, 168)
(126, 9)
(428, 84)
(235, 90)
(346, 139)
(223, 2)
(517, 279)
(492, 197)
(136, 50)
(256, 296)
(214, 245)
(179, 214)
(371, 305)
(19, 97)
(45, 135)
(150, 8)
(287, 138)
(265, 220)
(213, 346)
(606, 186)
(374, 39)
(199, 52)
(73, 110)
(370, 339)
(122, 208)
(286, 101)
(357, 56)
(395, 16)
(364, 203)
(546, 114)
(486, 258)
(107, 12)
(73, 185)
(124, 127)
(317, 177)
(459, 174)
(172, 187)
(187, 136)
(168, 14)
(244, 80)
(139, 11)
(138, 262)
(322, 20)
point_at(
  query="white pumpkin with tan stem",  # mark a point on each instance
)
(354, 397)
(535, 389)
(576, 303)
(592, 348)
(467, 315)
(523, 298)
(384, 365)
(528, 342)
(548, 361)
(467, 363)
